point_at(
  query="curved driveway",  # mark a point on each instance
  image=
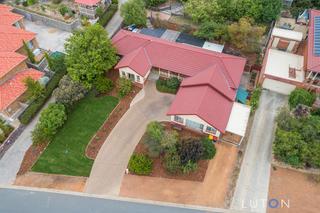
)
(109, 167)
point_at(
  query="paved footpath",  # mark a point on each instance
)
(11, 161)
(109, 167)
(115, 23)
(253, 183)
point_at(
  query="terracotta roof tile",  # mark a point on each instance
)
(9, 18)
(88, 2)
(8, 61)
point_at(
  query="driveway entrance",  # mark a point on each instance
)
(112, 160)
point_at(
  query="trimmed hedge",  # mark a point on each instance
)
(31, 111)
(162, 86)
(140, 164)
(108, 14)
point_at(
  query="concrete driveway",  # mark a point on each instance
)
(49, 38)
(252, 186)
(109, 167)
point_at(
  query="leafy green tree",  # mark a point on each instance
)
(51, 119)
(301, 96)
(298, 6)
(134, 12)
(244, 35)
(211, 30)
(34, 88)
(154, 3)
(89, 54)
(204, 10)
(69, 92)
(124, 87)
(247, 8)
(270, 10)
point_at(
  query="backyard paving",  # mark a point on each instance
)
(253, 181)
(211, 192)
(48, 38)
(109, 167)
(60, 182)
(302, 193)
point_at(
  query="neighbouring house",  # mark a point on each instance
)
(88, 7)
(290, 60)
(206, 98)
(13, 63)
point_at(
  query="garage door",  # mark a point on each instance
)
(278, 86)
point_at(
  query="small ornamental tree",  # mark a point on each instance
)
(34, 88)
(209, 150)
(301, 96)
(69, 91)
(154, 136)
(134, 12)
(190, 150)
(124, 87)
(51, 119)
(30, 54)
(244, 35)
(89, 54)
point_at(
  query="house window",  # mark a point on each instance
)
(178, 119)
(138, 78)
(123, 73)
(30, 45)
(211, 130)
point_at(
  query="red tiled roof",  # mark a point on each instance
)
(11, 38)
(88, 2)
(313, 61)
(212, 78)
(14, 88)
(5, 8)
(9, 18)
(8, 61)
(204, 102)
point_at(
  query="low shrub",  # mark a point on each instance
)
(108, 14)
(124, 86)
(51, 119)
(154, 3)
(140, 164)
(103, 85)
(56, 1)
(172, 161)
(254, 101)
(169, 139)
(209, 150)
(34, 88)
(63, 9)
(301, 96)
(168, 85)
(60, 70)
(190, 166)
(155, 131)
(5, 128)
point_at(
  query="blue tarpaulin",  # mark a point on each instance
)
(242, 95)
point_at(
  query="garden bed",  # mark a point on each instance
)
(159, 170)
(99, 138)
(170, 85)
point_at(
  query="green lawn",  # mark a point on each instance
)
(66, 153)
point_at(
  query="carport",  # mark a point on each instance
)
(237, 125)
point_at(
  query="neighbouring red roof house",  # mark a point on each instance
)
(5, 8)
(8, 61)
(211, 82)
(11, 37)
(313, 61)
(8, 18)
(14, 88)
(88, 2)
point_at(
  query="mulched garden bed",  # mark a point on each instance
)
(99, 138)
(158, 167)
(31, 157)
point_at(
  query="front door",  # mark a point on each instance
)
(194, 125)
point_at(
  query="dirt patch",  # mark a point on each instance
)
(31, 157)
(61, 182)
(158, 167)
(211, 192)
(297, 187)
(99, 138)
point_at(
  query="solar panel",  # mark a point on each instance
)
(317, 35)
